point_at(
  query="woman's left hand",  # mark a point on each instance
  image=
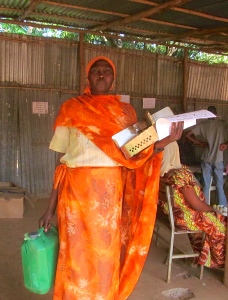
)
(176, 131)
(175, 134)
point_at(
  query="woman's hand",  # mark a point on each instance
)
(176, 131)
(175, 134)
(45, 220)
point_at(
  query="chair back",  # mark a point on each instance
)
(166, 195)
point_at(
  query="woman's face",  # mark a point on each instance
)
(101, 77)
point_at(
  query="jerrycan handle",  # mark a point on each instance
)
(41, 231)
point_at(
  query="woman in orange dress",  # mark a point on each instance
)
(105, 203)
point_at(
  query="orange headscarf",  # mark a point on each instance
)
(95, 59)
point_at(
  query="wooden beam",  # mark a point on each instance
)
(40, 15)
(143, 14)
(76, 7)
(199, 14)
(30, 9)
(185, 81)
(65, 20)
(82, 63)
(184, 10)
(209, 48)
(167, 23)
(117, 14)
(69, 21)
(192, 33)
(209, 31)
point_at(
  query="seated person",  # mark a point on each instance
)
(192, 212)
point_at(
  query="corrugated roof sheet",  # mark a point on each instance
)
(203, 22)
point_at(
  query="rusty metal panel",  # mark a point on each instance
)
(36, 131)
(208, 82)
(25, 137)
(39, 62)
(170, 74)
(9, 134)
(135, 69)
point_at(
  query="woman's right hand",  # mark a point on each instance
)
(45, 220)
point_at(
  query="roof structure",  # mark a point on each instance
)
(202, 23)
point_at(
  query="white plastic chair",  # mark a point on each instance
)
(162, 220)
(212, 188)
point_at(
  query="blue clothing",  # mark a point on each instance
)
(215, 170)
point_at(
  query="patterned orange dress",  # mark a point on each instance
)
(212, 249)
(105, 215)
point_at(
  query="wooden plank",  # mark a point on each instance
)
(185, 80)
(82, 63)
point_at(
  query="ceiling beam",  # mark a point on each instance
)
(143, 14)
(195, 33)
(64, 5)
(184, 10)
(30, 9)
(209, 48)
(123, 24)
(105, 12)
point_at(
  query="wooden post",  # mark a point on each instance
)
(82, 63)
(225, 279)
(185, 80)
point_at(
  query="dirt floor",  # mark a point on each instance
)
(185, 283)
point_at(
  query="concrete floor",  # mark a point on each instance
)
(151, 286)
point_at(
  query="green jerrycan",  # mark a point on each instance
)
(39, 252)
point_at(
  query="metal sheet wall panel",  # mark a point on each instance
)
(39, 62)
(136, 69)
(170, 76)
(25, 137)
(9, 135)
(208, 82)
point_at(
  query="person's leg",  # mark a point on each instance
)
(206, 169)
(219, 181)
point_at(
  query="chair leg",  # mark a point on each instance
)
(201, 272)
(156, 234)
(170, 258)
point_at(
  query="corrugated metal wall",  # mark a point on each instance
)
(47, 70)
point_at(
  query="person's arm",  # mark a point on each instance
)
(44, 221)
(175, 134)
(194, 201)
(190, 135)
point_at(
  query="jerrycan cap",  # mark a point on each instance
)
(31, 235)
